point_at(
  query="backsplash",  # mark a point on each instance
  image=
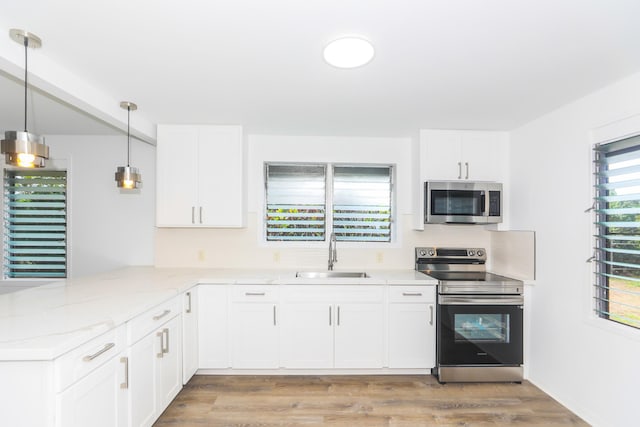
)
(241, 248)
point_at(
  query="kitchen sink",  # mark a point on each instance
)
(332, 274)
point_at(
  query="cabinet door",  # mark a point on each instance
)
(213, 325)
(96, 400)
(412, 335)
(254, 335)
(143, 381)
(190, 334)
(359, 335)
(170, 364)
(221, 176)
(441, 155)
(484, 155)
(177, 175)
(307, 335)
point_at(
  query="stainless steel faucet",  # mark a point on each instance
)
(333, 251)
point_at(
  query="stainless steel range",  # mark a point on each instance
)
(479, 317)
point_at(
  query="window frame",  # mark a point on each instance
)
(599, 283)
(329, 168)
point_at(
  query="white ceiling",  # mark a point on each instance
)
(462, 64)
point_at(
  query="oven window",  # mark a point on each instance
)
(482, 327)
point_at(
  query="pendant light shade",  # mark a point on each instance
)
(22, 148)
(128, 177)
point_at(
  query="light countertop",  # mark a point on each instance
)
(44, 322)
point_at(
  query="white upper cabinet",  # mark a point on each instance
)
(201, 176)
(464, 155)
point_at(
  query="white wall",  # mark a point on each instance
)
(590, 365)
(107, 229)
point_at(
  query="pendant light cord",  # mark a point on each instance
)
(26, 46)
(128, 134)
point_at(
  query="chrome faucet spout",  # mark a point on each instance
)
(333, 251)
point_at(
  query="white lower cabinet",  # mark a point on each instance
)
(325, 326)
(307, 332)
(93, 383)
(155, 363)
(254, 327)
(213, 326)
(189, 334)
(359, 334)
(412, 337)
(96, 400)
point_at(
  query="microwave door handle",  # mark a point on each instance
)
(484, 202)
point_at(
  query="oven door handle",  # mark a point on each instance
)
(480, 300)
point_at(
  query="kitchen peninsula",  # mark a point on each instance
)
(75, 348)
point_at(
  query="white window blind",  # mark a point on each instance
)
(35, 223)
(295, 196)
(617, 240)
(362, 203)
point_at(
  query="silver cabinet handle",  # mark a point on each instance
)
(125, 384)
(254, 294)
(161, 336)
(431, 315)
(165, 332)
(104, 349)
(193, 214)
(188, 310)
(412, 294)
(330, 316)
(338, 321)
(200, 214)
(274, 315)
(160, 316)
(466, 164)
(459, 170)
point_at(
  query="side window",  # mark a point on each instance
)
(35, 224)
(617, 239)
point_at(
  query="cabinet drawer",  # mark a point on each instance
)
(145, 323)
(254, 293)
(412, 293)
(81, 361)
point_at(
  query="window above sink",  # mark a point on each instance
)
(299, 195)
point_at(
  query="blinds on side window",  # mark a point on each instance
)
(35, 223)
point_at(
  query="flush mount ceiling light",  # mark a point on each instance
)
(127, 177)
(349, 52)
(22, 148)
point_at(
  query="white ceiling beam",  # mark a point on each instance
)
(67, 87)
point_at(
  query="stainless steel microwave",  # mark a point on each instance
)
(462, 202)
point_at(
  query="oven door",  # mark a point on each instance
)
(479, 330)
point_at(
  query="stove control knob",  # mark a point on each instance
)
(422, 252)
(432, 252)
(471, 252)
(480, 252)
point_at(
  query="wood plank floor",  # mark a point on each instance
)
(384, 400)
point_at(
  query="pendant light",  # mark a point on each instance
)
(22, 148)
(128, 177)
